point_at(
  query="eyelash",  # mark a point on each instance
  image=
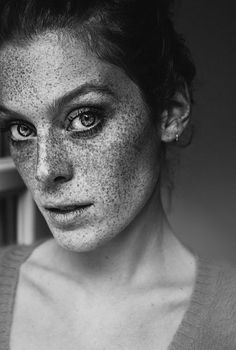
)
(99, 112)
(5, 125)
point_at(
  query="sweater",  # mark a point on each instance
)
(208, 324)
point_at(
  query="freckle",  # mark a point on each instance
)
(109, 169)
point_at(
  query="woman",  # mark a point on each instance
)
(92, 95)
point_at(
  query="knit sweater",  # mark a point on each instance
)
(208, 324)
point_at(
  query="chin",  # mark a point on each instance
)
(91, 233)
(81, 240)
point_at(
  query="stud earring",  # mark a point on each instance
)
(177, 137)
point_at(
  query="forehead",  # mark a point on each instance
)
(50, 66)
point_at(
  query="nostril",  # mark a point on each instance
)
(59, 179)
(52, 170)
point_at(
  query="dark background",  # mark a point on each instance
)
(204, 201)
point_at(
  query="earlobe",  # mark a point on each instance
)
(175, 118)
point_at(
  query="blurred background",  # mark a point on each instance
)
(204, 200)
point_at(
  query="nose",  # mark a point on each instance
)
(53, 165)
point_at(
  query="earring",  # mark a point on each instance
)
(177, 137)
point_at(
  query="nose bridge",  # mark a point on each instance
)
(52, 159)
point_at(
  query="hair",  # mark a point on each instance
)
(132, 34)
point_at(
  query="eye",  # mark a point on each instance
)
(83, 120)
(21, 132)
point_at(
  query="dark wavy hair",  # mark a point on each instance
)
(135, 35)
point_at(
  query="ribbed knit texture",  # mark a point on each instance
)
(187, 336)
(11, 258)
(208, 324)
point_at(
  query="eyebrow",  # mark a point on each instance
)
(81, 91)
(58, 103)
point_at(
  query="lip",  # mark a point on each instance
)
(67, 215)
(61, 208)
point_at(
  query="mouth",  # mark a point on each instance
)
(64, 209)
(67, 216)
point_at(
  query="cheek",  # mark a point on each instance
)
(122, 168)
(24, 157)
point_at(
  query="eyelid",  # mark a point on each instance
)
(11, 123)
(81, 110)
(20, 122)
(87, 107)
(101, 113)
(100, 110)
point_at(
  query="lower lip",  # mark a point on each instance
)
(68, 219)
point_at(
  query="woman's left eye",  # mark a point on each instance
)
(82, 120)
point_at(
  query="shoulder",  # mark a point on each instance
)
(225, 292)
(222, 275)
(13, 256)
(11, 260)
(219, 322)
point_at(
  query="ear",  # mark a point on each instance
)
(175, 118)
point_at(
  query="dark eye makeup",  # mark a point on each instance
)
(22, 126)
(83, 122)
(86, 121)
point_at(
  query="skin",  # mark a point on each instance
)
(121, 247)
(116, 169)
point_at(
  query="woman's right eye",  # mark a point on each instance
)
(21, 132)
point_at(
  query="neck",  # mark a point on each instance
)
(140, 255)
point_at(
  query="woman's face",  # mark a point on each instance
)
(81, 138)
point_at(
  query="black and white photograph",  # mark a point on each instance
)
(117, 175)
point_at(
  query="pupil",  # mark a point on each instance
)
(23, 130)
(87, 120)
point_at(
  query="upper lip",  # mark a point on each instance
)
(66, 207)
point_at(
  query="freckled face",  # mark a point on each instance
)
(81, 134)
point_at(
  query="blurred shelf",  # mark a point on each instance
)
(10, 180)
